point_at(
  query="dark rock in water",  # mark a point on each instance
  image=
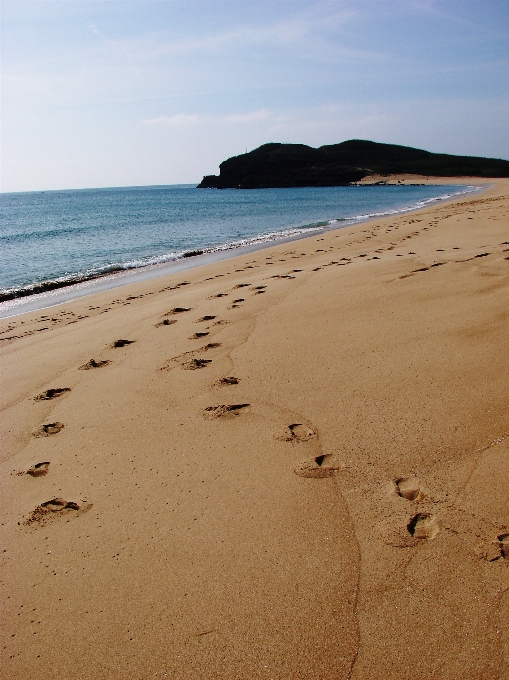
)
(298, 165)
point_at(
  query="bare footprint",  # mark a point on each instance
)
(222, 410)
(39, 469)
(503, 541)
(166, 322)
(48, 429)
(196, 336)
(53, 508)
(423, 526)
(297, 432)
(321, 466)
(208, 317)
(229, 380)
(196, 363)
(211, 345)
(122, 343)
(52, 393)
(171, 363)
(409, 488)
(178, 310)
(94, 364)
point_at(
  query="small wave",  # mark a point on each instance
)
(41, 235)
(117, 268)
(231, 245)
(114, 269)
(415, 206)
(60, 282)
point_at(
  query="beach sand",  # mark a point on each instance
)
(297, 468)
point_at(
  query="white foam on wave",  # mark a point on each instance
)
(288, 233)
(415, 206)
(232, 245)
(84, 278)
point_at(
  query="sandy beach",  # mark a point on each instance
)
(290, 464)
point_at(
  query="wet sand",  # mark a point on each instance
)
(296, 467)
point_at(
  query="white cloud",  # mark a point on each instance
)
(254, 116)
(309, 32)
(178, 120)
(186, 120)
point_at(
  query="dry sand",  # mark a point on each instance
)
(332, 510)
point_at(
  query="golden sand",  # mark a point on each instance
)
(295, 465)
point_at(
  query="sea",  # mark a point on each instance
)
(55, 239)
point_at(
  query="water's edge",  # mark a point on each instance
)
(59, 291)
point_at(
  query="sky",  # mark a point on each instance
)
(102, 93)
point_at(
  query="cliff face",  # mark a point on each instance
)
(298, 165)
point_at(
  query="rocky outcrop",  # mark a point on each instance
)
(298, 165)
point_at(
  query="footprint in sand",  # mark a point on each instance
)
(222, 410)
(321, 466)
(503, 542)
(52, 393)
(195, 363)
(48, 429)
(409, 488)
(122, 343)
(423, 526)
(208, 317)
(94, 364)
(39, 469)
(296, 432)
(54, 508)
(196, 336)
(166, 322)
(228, 380)
(211, 345)
(171, 363)
(178, 310)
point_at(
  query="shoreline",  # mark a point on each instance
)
(56, 292)
(293, 464)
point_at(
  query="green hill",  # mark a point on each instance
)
(298, 165)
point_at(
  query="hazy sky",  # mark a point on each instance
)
(134, 92)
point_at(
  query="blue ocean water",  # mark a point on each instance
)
(67, 236)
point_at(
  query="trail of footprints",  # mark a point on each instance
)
(477, 206)
(58, 507)
(46, 511)
(421, 525)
